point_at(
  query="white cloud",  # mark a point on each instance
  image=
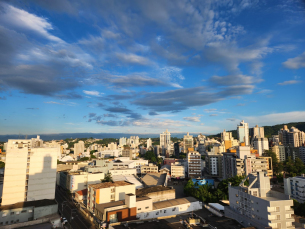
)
(275, 118)
(192, 119)
(93, 93)
(52, 102)
(23, 20)
(133, 59)
(210, 110)
(289, 82)
(296, 62)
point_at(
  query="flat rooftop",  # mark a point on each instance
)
(151, 179)
(36, 203)
(144, 191)
(173, 203)
(110, 184)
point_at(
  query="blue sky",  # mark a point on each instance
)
(147, 66)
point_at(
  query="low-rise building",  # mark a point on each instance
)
(295, 187)
(27, 211)
(81, 196)
(123, 171)
(155, 179)
(258, 206)
(131, 164)
(108, 192)
(78, 180)
(157, 193)
(150, 168)
(177, 170)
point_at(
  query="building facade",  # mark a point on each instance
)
(295, 188)
(165, 139)
(194, 164)
(258, 206)
(177, 170)
(30, 171)
(243, 132)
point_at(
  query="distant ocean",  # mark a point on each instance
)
(48, 137)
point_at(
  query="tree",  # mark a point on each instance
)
(2, 164)
(108, 178)
(93, 151)
(59, 162)
(92, 156)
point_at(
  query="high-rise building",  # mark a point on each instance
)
(292, 137)
(256, 132)
(261, 144)
(228, 140)
(188, 142)
(123, 141)
(279, 151)
(258, 206)
(213, 164)
(194, 164)
(294, 187)
(232, 166)
(243, 132)
(30, 171)
(149, 143)
(79, 148)
(165, 139)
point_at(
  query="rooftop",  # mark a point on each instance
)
(82, 192)
(152, 179)
(110, 184)
(173, 203)
(101, 207)
(36, 203)
(144, 191)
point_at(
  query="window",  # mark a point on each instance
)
(157, 213)
(31, 210)
(146, 207)
(4, 214)
(1, 223)
(164, 211)
(23, 211)
(139, 209)
(236, 195)
(12, 213)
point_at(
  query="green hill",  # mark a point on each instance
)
(270, 130)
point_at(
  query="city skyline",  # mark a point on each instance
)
(143, 67)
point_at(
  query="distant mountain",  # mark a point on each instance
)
(270, 130)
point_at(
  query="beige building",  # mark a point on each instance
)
(30, 171)
(279, 151)
(79, 148)
(123, 171)
(258, 206)
(150, 168)
(188, 142)
(260, 164)
(177, 170)
(107, 192)
(194, 164)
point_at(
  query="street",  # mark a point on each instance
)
(67, 208)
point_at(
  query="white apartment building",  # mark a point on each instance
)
(295, 188)
(149, 143)
(279, 151)
(260, 164)
(108, 192)
(79, 180)
(261, 144)
(188, 142)
(79, 148)
(131, 164)
(243, 151)
(123, 171)
(133, 141)
(30, 171)
(112, 146)
(243, 132)
(177, 170)
(258, 206)
(292, 136)
(194, 164)
(165, 139)
(123, 141)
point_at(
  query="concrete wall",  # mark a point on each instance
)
(14, 175)
(170, 211)
(81, 181)
(42, 174)
(45, 210)
(144, 206)
(17, 215)
(162, 195)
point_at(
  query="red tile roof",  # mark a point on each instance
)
(82, 192)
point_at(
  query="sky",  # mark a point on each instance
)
(146, 66)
